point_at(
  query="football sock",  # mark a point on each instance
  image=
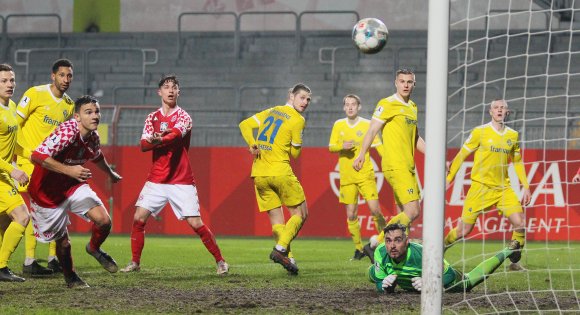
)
(277, 230)
(520, 237)
(51, 250)
(64, 257)
(30, 241)
(451, 237)
(208, 240)
(292, 228)
(98, 236)
(380, 222)
(484, 269)
(137, 241)
(12, 237)
(354, 229)
(401, 218)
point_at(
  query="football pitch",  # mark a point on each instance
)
(178, 276)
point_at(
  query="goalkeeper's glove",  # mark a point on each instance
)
(389, 281)
(417, 283)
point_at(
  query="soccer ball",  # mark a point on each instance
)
(370, 35)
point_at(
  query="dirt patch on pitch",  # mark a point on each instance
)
(283, 301)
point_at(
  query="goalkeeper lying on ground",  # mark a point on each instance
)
(398, 262)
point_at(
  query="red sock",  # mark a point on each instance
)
(137, 240)
(63, 252)
(208, 240)
(99, 236)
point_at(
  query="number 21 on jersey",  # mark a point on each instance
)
(267, 125)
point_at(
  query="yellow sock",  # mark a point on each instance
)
(277, 230)
(290, 231)
(52, 249)
(451, 237)
(354, 229)
(401, 218)
(30, 241)
(520, 237)
(12, 237)
(380, 222)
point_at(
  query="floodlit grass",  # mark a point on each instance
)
(178, 276)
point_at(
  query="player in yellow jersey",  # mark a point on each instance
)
(41, 109)
(495, 145)
(396, 118)
(11, 203)
(279, 136)
(345, 139)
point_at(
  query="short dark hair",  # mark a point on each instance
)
(394, 227)
(168, 78)
(300, 87)
(356, 97)
(404, 71)
(61, 63)
(85, 99)
(6, 67)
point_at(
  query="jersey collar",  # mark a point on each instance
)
(400, 100)
(501, 133)
(355, 123)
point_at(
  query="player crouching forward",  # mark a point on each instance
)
(167, 133)
(400, 262)
(59, 186)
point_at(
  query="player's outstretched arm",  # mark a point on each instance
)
(420, 144)
(521, 173)
(107, 168)
(374, 128)
(457, 161)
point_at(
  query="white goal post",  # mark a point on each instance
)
(436, 144)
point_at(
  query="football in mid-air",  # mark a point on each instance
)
(370, 35)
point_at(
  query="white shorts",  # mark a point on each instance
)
(51, 223)
(182, 198)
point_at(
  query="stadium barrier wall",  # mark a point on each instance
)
(229, 207)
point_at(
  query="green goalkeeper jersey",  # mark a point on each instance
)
(407, 269)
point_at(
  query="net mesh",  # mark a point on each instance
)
(528, 53)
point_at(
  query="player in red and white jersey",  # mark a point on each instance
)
(167, 132)
(59, 186)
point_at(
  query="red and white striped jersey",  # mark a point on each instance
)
(49, 189)
(170, 161)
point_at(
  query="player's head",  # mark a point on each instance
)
(396, 241)
(87, 113)
(351, 105)
(62, 75)
(498, 110)
(7, 82)
(299, 97)
(405, 83)
(169, 89)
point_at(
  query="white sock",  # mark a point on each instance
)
(280, 248)
(28, 261)
(51, 258)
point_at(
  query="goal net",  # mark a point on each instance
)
(528, 53)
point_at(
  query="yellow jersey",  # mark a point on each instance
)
(342, 131)
(39, 112)
(493, 152)
(279, 128)
(8, 132)
(399, 132)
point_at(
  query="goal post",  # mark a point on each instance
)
(435, 137)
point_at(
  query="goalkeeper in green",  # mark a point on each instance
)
(399, 262)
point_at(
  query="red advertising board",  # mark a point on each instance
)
(229, 207)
